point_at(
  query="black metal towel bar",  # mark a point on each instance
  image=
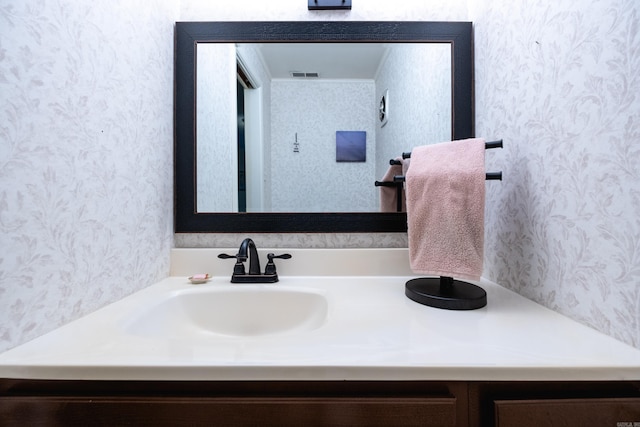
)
(442, 292)
(487, 146)
(489, 176)
(399, 179)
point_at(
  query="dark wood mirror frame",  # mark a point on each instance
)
(188, 34)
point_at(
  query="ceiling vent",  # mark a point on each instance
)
(299, 74)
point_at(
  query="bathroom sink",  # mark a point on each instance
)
(236, 311)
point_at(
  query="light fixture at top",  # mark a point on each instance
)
(329, 4)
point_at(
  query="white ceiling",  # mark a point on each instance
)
(329, 60)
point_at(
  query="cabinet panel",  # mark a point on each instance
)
(567, 412)
(158, 411)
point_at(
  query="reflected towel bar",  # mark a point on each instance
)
(398, 186)
(388, 183)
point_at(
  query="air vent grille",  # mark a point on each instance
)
(302, 75)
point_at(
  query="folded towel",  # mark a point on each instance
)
(445, 191)
(389, 195)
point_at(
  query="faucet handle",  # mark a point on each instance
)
(271, 257)
(239, 267)
(270, 268)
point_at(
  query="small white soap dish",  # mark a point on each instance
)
(197, 279)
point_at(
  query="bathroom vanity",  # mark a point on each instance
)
(321, 403)
(358, 353)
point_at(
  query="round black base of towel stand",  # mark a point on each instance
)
(445, 292)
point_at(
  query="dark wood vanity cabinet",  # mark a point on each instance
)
(322, 403)
(568, 412)
(560, 403)
(233, 403)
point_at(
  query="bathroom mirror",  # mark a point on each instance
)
(194, 38)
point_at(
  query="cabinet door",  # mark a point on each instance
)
(568, 412)
(157, 411)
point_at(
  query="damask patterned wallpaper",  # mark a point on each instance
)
(560, 83)
(86, 151)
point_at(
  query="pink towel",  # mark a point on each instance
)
(445, 189)
(389, 195)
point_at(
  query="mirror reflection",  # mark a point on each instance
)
(269, 117)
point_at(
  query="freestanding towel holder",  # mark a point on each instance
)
(447, 292)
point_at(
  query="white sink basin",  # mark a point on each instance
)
(240, 311)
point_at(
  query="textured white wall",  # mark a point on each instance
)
(559, 81)
(86, 149)
(311, 180)
(217, 153)
(418, 77)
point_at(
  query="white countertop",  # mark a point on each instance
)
(373, 332)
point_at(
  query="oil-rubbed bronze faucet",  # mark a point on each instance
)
(249, 251)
